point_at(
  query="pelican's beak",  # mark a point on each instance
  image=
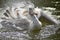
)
(37, 22)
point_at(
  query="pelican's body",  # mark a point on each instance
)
(27, 17)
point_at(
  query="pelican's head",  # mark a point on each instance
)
(37, 12)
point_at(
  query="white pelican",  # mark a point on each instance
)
(27, 17)
(24, 18)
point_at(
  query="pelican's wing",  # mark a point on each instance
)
(15, 24)
(9, 26)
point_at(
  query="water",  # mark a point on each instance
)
(48, 32)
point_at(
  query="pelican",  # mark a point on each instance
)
(27, 17)
(24, 18)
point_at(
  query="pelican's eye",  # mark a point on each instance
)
(36, 14)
